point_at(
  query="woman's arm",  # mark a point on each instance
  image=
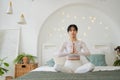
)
(84, 51)
(61, 52)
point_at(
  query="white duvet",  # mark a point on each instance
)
(106, 68)
(45, 68)
(97, 68)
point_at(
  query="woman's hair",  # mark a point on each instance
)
(72, 26)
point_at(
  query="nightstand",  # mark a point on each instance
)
(21, 69)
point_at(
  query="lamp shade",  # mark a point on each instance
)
(9, 10)
(21, 19)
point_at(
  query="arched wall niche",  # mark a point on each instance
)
(95, 27)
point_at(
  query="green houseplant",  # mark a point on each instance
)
(24, 58)
(117, 62)
(3, 66)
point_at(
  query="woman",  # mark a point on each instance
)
(73, 50)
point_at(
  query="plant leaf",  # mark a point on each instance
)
(117, 63)
(32, 58)
(6, 64)
(19, 58)
(5, 70)
(1, 72)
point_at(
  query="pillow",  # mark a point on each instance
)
(45, 68)
(50, 62)
(60, 60)
(97, 59)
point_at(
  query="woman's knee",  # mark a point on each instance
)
(90, 66)
(85, 68)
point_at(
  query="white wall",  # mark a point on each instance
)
(37, 11)
(9, 40)
(95, 28)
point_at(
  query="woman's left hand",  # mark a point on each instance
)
(75, 52)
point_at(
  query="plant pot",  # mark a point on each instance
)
(25, 60)
(8, 78)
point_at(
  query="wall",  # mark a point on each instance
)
(37, 11)
(9, 40)
(95, 28)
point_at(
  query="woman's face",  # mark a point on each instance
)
(72, 32)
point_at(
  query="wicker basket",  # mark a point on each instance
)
(8, 78)
(21, 69)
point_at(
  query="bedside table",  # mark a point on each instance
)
(21, 69)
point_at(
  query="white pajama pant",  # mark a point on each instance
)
(74, 66)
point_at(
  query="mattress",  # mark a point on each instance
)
(97, 68)
(98, 74)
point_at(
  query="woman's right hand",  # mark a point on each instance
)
(73, 49)
(71, 52)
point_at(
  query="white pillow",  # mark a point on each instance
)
(45, 68)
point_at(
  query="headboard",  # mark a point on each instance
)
(48, 50)
(106, 49)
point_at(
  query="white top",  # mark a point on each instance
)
(67, 48)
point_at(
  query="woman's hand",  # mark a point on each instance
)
(74, 49)
(75, 52)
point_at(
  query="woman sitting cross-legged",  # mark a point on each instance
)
(73, 49)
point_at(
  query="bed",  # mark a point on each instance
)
(48, 73)
(101, 71)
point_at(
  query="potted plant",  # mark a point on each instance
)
(3, 66)
(24, 58)
(117, 62)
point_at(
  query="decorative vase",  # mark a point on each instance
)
(25, 60)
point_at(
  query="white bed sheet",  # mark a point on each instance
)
(106, 68)
(45, 68)
(97, 68)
